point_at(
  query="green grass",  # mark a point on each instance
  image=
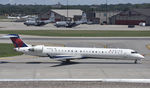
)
(79, 33)
(3, 17)
(6, 50)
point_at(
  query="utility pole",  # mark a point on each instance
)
(106, 12)
(67, 10)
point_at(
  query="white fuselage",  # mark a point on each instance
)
(79, 53)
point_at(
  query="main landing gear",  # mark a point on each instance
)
(67, 61)
(137, 61)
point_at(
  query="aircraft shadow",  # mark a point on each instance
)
(64, 64)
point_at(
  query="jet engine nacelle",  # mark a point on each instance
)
(38, 48)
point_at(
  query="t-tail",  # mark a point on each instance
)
(17, 42)
(52, 17)
(84, 17)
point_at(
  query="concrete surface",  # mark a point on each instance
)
(53, 84)
(21, 26)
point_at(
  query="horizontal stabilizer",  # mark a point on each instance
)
(11, 36)
(16, 40)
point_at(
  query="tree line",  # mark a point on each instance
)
(37, 9)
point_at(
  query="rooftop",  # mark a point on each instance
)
(71, 12)
(143, 11)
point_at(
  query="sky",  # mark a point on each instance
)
(72, 2)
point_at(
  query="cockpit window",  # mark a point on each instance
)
(134, 52)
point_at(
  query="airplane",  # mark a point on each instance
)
(37, 22)
(18, 17)
(25, 17)
(69, 24)
(11, 17)
(65, 54)
(84, 19)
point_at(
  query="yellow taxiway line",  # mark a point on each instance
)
(148, 46)
(6, 58)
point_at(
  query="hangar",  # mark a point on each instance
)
(61, 14)
(131, 17)
(104, 16)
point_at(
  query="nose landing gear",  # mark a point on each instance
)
(136, 61)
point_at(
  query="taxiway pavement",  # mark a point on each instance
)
(31, 67)
(21, 26)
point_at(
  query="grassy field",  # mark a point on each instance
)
(3, 17)
(79, 33)
(6, 50)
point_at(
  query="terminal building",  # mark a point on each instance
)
(131, 17)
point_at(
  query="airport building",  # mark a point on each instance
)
(104, 16)
(91, 16)
(131, 17)
(71, 14)
(61, 14)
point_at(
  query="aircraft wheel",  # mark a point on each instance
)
(66, 61)
(137, 61)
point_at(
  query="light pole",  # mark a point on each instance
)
(67, 10)
(106, 11)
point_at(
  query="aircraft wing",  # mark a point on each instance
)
(65, 57)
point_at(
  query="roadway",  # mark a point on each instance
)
(30, 67)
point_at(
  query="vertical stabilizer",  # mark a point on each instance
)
(84, 17)
(52, 17)
(16, 40)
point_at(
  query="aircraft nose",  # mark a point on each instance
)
(141, 56)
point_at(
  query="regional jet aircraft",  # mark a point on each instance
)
(65, 54)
